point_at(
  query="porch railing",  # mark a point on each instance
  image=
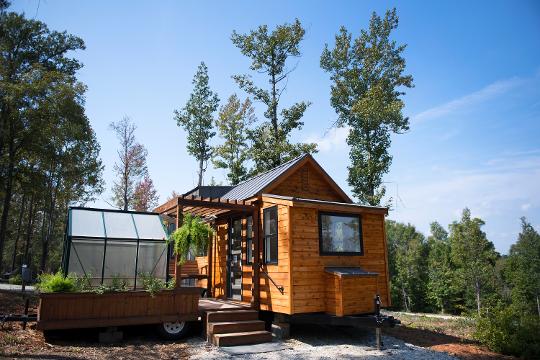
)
(279, 287)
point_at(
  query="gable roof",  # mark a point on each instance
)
(257, 184)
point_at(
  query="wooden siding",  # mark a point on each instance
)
(219, 259)
(309, 280)
(271, 297)
(307, 182)
(350, 295)
(86, 310)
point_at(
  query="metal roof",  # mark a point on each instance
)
(256, 184)
(213, 191)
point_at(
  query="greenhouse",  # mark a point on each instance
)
(104, 245)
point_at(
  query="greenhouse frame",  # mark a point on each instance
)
(108, 245)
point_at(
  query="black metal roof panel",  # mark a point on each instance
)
(349, 271)
(216, 191)
(256, 184)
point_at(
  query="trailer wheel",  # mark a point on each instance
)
(174, 330)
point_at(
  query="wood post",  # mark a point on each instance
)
(178, 269)
(255, 279)
(209, 272)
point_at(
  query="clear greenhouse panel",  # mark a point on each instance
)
(149, 227)
(86, 223)
(120, 225)
(104, 244)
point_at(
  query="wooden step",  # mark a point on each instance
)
(231, 316)
(242, 338)
(234, 327)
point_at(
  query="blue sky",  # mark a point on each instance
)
(475, 108)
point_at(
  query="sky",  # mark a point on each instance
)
(474, 110)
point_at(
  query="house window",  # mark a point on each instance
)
(340, 234)
(270, 235)
(249, 240)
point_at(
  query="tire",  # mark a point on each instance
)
(174, 330)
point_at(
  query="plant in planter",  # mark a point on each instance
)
(192, 235)
(54, 283)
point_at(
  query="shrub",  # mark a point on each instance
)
(507, 330)
(54, 283)
(152, 284)
(15, 279)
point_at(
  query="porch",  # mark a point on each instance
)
(222, 270)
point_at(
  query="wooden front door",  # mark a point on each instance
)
(234, 261)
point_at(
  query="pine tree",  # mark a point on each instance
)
(196, 118)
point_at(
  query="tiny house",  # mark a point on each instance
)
(289, 241)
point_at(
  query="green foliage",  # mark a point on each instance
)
(367, 76)
(116, 284)
(474, 258)
(522, 269)
(507, 330)
(192, 235)
(233, 122)
(152, 284)
(55, 283)
(15, 279)
(407, 257)
(440, 288)
(49, 154)
(196, 118)
(269, 52)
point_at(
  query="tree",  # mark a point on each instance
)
(269, 52)
(473, 255)
(232, 123)
(439, 269)
(367, 76)
(196, 118)
(48, 150)
(145, 196)
(523, 269)
(407, 254)
(131, 165)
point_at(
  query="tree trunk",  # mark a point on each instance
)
(405, 297)
(7, 197)
(201, 166)
(29, 230)
(19, 223)
(538, 304)
(477, 290)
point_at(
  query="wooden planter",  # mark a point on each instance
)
(88, 310)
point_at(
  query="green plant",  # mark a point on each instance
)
(15, 279)
(192, 235)
(116, 284)
(152, 284)
(54, 283)
(82, 283)
(508, 330)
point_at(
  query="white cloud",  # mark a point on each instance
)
(333, 139)
(490, 91)
(498, 192)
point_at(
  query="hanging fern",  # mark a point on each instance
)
(192, 235)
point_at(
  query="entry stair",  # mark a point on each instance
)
(235, 327)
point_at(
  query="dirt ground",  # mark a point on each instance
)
(441, 335)
(452, 335)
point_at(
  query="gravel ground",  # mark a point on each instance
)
(317, 342)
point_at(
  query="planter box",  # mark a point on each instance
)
(88, 310)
